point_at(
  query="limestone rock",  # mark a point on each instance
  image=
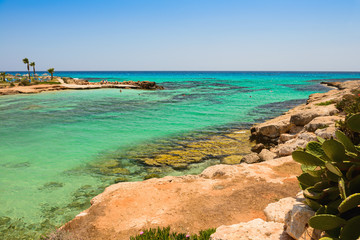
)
(286, 137)
(321, 122)
(277, 211)
(287, 148)
(303, 118)
(266, 155)
(296, 129)
(326, 133)
(296, 222)
(251, 158)
(275, 129)
(307, 136)
(255, 229)
(258, 147)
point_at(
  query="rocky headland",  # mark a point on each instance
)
(66, 83)
(243, 201)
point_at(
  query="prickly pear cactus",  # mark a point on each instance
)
(331, 183)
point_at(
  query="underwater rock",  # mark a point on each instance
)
(154, 175)
(232, 159)
(51, 186)
(180, 166)
(17, 165)
(120, 179)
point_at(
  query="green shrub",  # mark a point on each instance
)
(165, 234)
(331, 183)
(326, 103)
(350, 105)
(24, 82)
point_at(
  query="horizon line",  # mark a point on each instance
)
(335, 71)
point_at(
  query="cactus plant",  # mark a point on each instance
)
(331, 183)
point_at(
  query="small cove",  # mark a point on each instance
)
(54, 144)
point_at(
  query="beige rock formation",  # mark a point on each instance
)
(255, 229)
(221, 195)
(296, 222)
(276, 212)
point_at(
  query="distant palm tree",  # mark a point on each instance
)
(51, 71)
(32, 64)
(3, 74)
(26, 61)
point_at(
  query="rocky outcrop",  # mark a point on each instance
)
(255, 229)
(296, 222)
(251, 158)
(318, 113)
(221, 195)
(67, 83)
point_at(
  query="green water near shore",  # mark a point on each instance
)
(50, 142)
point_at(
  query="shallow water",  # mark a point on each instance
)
(53, 144)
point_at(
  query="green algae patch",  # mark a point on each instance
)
(228, 146)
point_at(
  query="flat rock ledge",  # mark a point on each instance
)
(220, 195)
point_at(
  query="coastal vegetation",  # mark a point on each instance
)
(331, 182)
(166, 234)
(26, 61)
(51, 71)
(32, 64)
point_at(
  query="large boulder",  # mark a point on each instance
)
(287, 148)
(307, 136)
(266, 155)
(321, 122)
(304, 117)
(257, 148)
(286, 137)
(251, 158)
(326, 133)
(296, 222)
(277, 211)
(255, 229)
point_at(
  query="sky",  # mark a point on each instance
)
(166, 35)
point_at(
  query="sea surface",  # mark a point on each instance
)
(53, 144)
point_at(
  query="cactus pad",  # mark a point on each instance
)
(354, 123)
(307, 158)
(315, 148)
(334, 150)
(332, 168)
(351, 231)
(326, 221)
(350, 202)
(345, 141)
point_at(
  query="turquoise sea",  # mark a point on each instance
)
(52, 144)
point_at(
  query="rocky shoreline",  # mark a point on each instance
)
(67, 83)
(243, 201)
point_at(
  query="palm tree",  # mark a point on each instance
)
(32, 64)
(3, 74)
(51, 71)
(26, 61)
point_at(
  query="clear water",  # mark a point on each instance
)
(49, 140)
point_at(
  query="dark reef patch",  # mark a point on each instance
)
(305, 88)
(271, 110)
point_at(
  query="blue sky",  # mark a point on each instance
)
(279, 35)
